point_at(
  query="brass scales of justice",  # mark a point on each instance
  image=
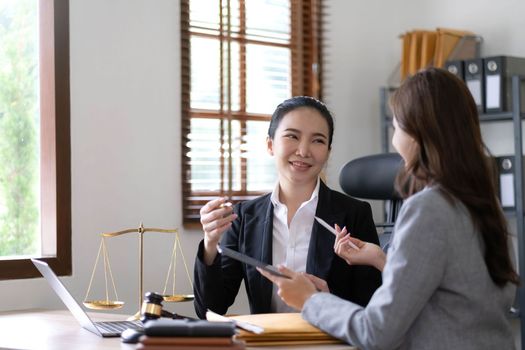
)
(110, 304)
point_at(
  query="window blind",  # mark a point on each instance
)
(239, 60)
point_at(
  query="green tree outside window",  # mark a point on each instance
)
(19, 128)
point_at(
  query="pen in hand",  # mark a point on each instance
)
(333, 230)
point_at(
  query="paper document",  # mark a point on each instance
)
(215, 317)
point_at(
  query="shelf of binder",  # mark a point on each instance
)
(489, 82)
(386, 114)
(426, 48)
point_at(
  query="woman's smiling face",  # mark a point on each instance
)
(300, 145)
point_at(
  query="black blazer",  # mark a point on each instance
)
(217, 285)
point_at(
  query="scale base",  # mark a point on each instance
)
(103, 304)
(135, 317)
(173, 298)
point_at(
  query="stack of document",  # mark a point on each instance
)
(282, 329)
(423, 48)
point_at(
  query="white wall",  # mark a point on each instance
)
(364, 49)
(125, 132)
(125, 129)
(125, 140)
(125, 137)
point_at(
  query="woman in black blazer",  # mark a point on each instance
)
(281, 225)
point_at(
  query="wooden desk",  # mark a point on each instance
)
(57, 330)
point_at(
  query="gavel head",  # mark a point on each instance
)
(152, 307)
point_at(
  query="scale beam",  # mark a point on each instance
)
(114, 304)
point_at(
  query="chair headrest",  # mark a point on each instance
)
(371, 177)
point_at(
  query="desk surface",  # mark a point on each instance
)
(44, 329)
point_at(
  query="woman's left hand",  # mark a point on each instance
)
(293, 291)
(365, 254)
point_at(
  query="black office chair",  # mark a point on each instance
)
(372, 178)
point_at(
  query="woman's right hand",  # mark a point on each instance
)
(216, 217)
(368, 253)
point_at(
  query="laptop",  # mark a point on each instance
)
(103, 329)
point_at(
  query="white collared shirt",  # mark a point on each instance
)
(290, 244)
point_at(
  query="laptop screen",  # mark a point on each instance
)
(66, 297)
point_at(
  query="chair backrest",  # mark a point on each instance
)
(372, 178)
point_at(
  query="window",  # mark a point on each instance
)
(35, 199)
(240, 59)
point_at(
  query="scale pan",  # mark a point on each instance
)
(178, 297)
(103, 304)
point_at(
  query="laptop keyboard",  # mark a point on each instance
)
(118, 326)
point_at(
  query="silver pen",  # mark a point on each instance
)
(331, 229)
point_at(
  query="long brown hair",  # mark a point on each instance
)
(437, 110)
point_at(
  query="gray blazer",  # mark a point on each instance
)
(436, 291)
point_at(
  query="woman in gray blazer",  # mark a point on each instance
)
(448, 278)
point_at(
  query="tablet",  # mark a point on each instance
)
(249, 260)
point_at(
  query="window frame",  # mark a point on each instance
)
(306, 44)
(55, 144)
